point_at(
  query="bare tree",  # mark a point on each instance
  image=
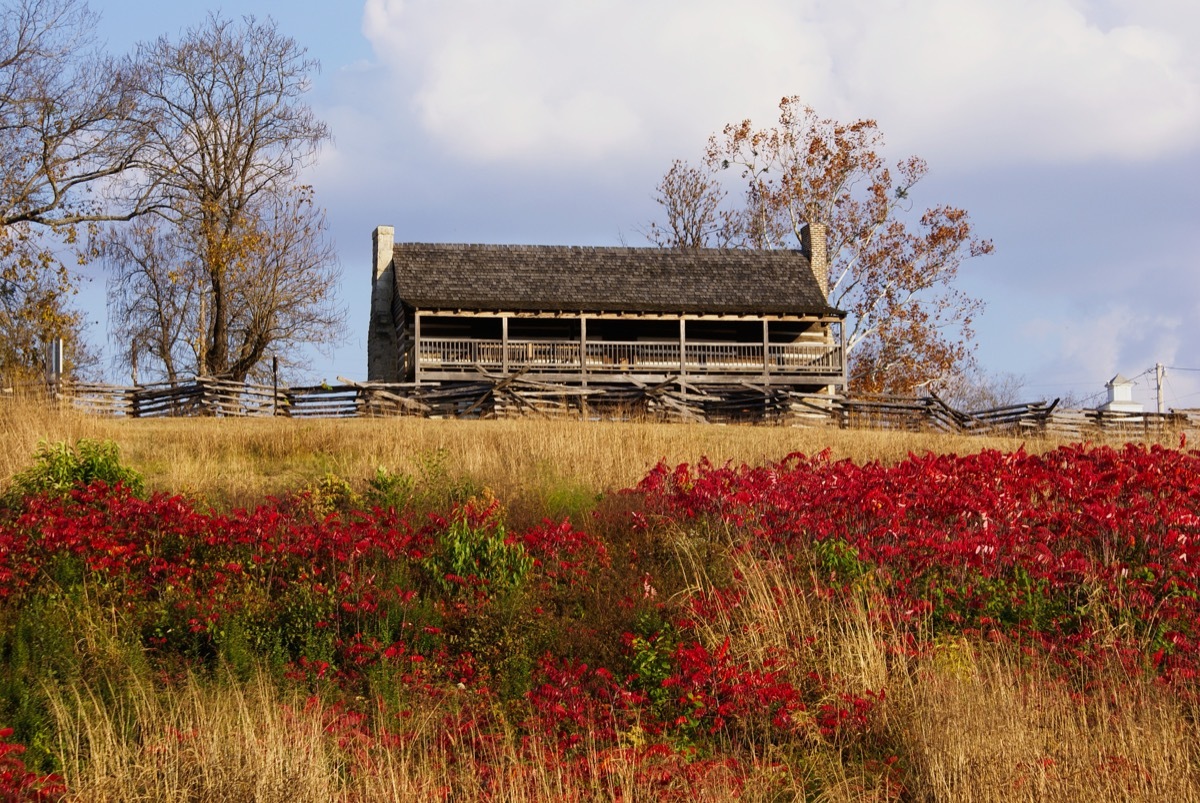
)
(692, 201)
(283, 290)
(280, 289)
(69, 116)
(153, 290)
(232, 134)
(908, 326)
(69, 126)
(974, 390)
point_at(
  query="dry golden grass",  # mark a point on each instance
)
(125, 736)
(227, 742)
(241, 742)
(988, 730)
(237, 461)
(974, 723)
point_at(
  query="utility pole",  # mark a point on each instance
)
(1159, 371)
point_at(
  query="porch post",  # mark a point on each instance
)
(766, 352)
(417, 347)
(583, 348)
(842, 355)
(682, 347)
(504, 345)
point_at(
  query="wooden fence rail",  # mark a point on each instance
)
(678, 398)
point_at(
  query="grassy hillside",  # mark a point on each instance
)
(473, 611)
(239, 461)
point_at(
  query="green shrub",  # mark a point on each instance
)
(565, 499)
(59, 467)
(329, 495)
(840, 559)
(389, 491)
(650, 648)
(483, 552)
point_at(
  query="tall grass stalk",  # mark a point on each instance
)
(233, 741)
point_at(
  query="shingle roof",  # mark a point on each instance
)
(546, 278)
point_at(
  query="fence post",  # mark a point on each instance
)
(54, 366)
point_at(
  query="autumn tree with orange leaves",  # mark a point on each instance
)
(908, 326)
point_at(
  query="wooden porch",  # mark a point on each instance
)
(815, 363)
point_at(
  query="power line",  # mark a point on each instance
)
(1175, 396)
(1136, 377)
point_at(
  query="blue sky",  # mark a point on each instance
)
(1069, 128)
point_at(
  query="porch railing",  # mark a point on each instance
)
(463, 355)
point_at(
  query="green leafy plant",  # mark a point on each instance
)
(329, 495)
(840, 559)
(59, 467)
(433, 486)
(564, 499)
(476, 549)
(386, 490)
(650, 660)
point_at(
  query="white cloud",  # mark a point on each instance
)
(1083, 350)
(570, 82)
(974, 81)
(1027, 79)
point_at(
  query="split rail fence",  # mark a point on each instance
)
(676, 399)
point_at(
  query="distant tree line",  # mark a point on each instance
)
(178, 167)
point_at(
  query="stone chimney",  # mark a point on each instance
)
(383, 359)
(813, 245)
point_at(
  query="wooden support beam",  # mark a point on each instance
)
(842, 347)
(504, 344)
(417, 347)
(766, 353)
(583, 349)
(683, 347)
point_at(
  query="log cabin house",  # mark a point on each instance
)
(598, 321)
